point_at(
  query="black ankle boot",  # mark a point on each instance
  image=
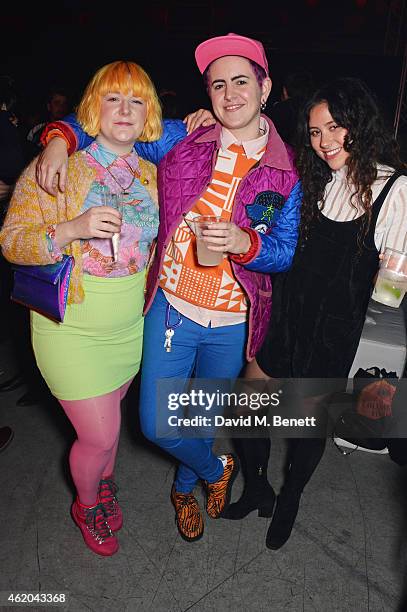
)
(283, 521)
(305, 455)
(258, 494)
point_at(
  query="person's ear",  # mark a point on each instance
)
(265, 92)
(265, 89)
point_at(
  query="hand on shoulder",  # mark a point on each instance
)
(52, 165)
(200, 118)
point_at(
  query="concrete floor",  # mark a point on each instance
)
(347, 551)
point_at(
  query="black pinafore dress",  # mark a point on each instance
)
(319, 305)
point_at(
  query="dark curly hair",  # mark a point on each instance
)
(368, 142)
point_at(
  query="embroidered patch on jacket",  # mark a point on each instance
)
(265, 210)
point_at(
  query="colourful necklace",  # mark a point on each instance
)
(135, 174)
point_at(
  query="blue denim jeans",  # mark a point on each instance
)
(203, 352)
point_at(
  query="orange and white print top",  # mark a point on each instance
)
(210, 294)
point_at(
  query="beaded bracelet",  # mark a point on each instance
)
(54, 250)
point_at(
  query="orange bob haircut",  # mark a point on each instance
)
(127, 78)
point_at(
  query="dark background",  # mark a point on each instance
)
(65, 42)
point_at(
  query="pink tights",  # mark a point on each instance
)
(93, 454)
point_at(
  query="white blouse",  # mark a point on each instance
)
(391, 226)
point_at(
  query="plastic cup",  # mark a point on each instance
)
(205, 256)
(391, 283)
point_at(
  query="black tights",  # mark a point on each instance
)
(304, 455)
(253, 453)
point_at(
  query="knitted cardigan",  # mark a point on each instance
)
(32, 210)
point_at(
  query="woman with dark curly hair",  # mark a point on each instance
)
(354, 206)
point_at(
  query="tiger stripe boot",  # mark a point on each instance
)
(219, 492)
(187, 515)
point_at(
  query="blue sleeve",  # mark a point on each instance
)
(277, 247)
(82, 138)
(174, 130)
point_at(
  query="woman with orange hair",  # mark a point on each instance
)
(90, 360)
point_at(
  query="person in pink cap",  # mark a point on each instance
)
(208, 321)
(232, 44)
(216, 316)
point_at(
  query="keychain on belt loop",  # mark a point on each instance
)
(169, 331)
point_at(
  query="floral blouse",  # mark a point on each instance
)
(118, 175)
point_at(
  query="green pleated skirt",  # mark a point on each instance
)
(98, 346)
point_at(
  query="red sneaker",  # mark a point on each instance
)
(107, 497)
(95, 529)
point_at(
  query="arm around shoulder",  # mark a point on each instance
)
(70, 130)
(174, 130)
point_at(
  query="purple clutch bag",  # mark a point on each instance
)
(44, 288)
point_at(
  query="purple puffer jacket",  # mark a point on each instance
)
(185, 173)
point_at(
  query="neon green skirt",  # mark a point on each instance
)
(98, 346)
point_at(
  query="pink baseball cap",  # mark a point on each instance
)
(231, 44)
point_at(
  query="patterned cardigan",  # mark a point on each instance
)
(32, 210)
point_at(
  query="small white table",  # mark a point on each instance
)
(383, 341)
(382, 345)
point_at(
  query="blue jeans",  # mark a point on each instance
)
(203, 352)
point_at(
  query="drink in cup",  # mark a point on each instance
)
(391, 283)
(205, 256)
(115, 201)
(115, 246)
